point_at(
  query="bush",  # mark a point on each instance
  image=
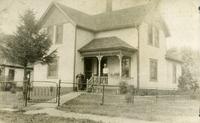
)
(13, 89)
(7, 86)
(131, 89)
(151, 92)
(193, 97)
(130, 94)
(123, 87)
(143, 92)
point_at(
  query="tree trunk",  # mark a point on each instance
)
(25, 85)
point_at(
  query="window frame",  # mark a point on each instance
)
(156, 37)
(150, 34)
(11, 71)
(51, 37)
(60, 34)
(57, 68)
(153, 36)
(156, 70)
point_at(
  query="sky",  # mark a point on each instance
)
(182, 16)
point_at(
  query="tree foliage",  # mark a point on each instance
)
(188, 80)
(29, 44)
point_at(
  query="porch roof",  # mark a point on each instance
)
(107, 44)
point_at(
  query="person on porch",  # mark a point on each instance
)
(105, 74)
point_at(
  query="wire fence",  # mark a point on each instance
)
(11, 94)
(39, 91)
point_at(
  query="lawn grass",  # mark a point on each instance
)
(144, 108)
(19, 117)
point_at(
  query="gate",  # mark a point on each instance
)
(39, 91)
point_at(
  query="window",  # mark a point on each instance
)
(174, 73)
(1, 71)
(11, 75)
(153, 69)
(59, 34)
(150, 34)
(156, 37)
(2, 74)
(126, 64)
(50, 32)
(153, 36)
(53, 68)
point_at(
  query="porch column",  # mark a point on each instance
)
(99, 57)
(120, 56)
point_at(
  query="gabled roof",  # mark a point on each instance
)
(81, 19)
(124, 18)
(107, 43)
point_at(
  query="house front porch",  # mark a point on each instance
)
(111, 52)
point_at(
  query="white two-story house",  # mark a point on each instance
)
(130, 41)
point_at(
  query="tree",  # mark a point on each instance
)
(188, 79)
(28, 45)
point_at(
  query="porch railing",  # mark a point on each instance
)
(95, 81)
(116, 80)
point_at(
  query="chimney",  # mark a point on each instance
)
(108, 5)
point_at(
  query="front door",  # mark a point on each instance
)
(88, 68)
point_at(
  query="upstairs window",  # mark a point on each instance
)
(150, 34)
(156, 37)
(153, 36)
(59, 34)
(53, 68)
(153, 70)
(50, 32)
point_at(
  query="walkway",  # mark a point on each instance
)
(63, 99)
(104, 119)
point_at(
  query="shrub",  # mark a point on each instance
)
(130, 94)
(131, 89)
(7, 86)
(153, 92)
(13, 90)
(123, 87)
(193, 97)
(143, 92)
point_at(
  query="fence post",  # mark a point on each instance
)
(103, 95)
(26, 92)
(134, 92)
(87, 85)
(59, 83)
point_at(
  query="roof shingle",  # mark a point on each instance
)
(129, 17)
(107, 43)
